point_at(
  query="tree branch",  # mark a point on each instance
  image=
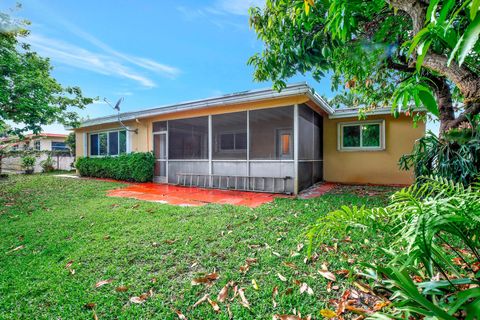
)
(467, 81)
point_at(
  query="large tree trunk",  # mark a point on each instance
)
(467, 81)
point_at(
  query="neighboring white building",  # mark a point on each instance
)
(40, 142)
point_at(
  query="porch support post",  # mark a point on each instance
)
(129, 140)
(210, 145)
(248, 150)
(85, 144)
(295, 148)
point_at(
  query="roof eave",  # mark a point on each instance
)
(250, 96)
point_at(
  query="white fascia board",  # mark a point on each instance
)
(236, 98)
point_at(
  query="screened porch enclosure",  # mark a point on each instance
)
(249, 150)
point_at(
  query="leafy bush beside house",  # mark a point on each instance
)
(455, 155)
(135, 167)
(28, 164)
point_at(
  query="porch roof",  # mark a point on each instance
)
(228, 99)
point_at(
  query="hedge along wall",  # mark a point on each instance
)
(136, 167)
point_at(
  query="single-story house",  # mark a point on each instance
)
(39, 142)
(260, 140)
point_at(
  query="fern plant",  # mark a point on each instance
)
(433, 267)
(455, 156)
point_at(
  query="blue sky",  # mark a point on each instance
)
(150, 52)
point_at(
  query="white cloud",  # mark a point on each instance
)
(239, 7)
(145, 63)
(75, 56)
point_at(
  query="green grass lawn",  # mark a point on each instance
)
(149, 246)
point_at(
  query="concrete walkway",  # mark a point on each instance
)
(192, 196)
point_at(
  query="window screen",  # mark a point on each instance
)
(229, 133)
(267, 126)
(305, 131)
(160, 126)
(188, 138)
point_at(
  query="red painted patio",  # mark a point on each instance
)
(192, 196)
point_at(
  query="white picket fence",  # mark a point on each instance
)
(13, 163)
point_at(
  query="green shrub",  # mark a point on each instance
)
(48, 164)
(136, 167)
(455, 156)
(432, 266)
(28, 164)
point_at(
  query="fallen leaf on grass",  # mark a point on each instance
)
(289, 317)
(244, 269)
(343, 272)
(342, 302)
(201, 300)
(95, 317)
(327, 274)
(121, 289)
(69, 264)
(363, 287)
(89, 305)
(299, 246)
(274, 294)
(251, 260)
(254, 284)
(214, 305)
(208, 279)
(281, 277)
(140, 299)
(244, 302)
(230, 314)
(305, 288)
(223, 294)
(327, 313)
(180, 315)
(102, 283)
(290, 265)
(276, 254)
(379, 305)
(18, 248)
(168, 241)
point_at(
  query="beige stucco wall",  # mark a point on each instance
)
(376, 167)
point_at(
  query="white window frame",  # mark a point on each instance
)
(341, 125)
(37, 143)
(108, 142)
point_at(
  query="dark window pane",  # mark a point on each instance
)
(113, 143)
(93, 144)
(59, 146)
(160, 126)
(123, 141)
(102, 142)
(227, 141)
(229, 132)
(188, 138)
(351, 136)
(266, 128)
(37, 144)
(241, 141)
(371, 135)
